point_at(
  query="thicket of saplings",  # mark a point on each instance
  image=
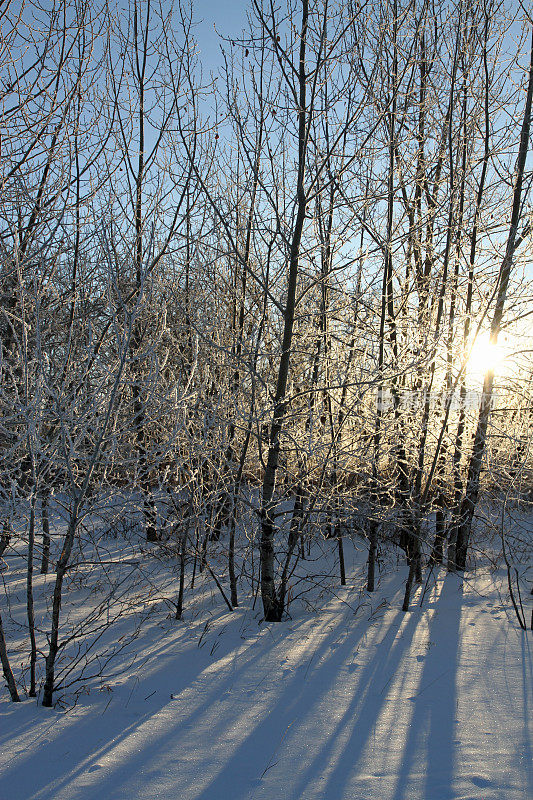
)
(239, 314)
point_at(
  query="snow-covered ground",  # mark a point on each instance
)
(350, 699)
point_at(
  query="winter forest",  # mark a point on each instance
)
(266, 392)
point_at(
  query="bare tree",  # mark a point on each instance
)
(514, 240)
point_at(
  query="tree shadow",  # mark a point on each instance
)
(287, 713)
(292, 707)
(527, 694)
(429, 751)
(239, 706)
(359, 718)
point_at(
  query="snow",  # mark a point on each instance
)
(351, 699)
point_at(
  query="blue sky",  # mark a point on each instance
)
(229, 17)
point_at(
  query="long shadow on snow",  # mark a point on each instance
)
(432, 727)
(362, 713)
(527, 679)
(90, 732)
(242, 770)
(89, 729)
(115, 731)
(249, 758)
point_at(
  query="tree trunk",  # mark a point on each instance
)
(29, 596)
(6, 667)
(183, 547)
(61, 568)
(469, 502)
(45, 520)
(372, 548)
(5, 537)
(272, 604)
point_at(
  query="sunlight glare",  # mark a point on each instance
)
(485, 356)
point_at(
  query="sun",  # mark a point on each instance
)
(485, 356)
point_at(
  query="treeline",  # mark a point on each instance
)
(262, 288)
